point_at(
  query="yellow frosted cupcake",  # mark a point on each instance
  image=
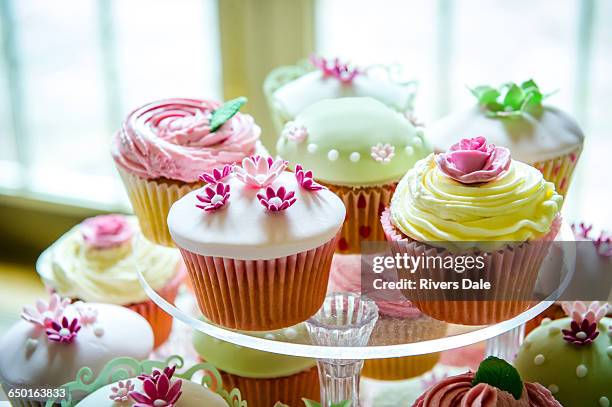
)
(94, 262)
(475, 201)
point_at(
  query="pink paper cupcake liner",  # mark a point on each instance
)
(559, 170)
(512, 272)
(260, 295)
(364, 206)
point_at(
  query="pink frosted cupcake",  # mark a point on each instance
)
(95, 262)
(399, 322)
(473, 201)
(495, 384)
(164, 146)
(258, 242)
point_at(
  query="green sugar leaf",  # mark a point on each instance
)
(485, 94)
(501, 374)
(513, 98)
(510, 99)
(226, 112)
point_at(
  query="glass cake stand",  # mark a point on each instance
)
(338, 334)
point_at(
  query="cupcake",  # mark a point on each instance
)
(159, 388)
(572, 356)
(164, 146)
(476, 205)
(513, 116)
(290, 89)
(399, 322)
(495, 383)
(263, 378)
(258, 244)
(96, 262)
(359, 149)
(55, 339)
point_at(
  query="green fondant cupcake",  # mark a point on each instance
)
(359, 148)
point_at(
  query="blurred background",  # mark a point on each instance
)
(71, 70)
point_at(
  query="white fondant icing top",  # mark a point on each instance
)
(531, 138)
(48, 363)
(193, 395)
(244, 229)
(296, 95)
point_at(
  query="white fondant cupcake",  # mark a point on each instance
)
(258, 242)
(55, 339)
(513, 116)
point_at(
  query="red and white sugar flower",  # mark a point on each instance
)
(63, 332)
(215, 196)
(277, 200)
(259, 172)
(304, 178)
(583, 327)
(473, 161)
(157, 389)
(44, 313)
(217, 175)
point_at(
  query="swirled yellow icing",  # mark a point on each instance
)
(429, 206)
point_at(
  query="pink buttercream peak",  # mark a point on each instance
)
(44, 313)
(335, 69)
(216, 175)
(258, 172)
(215, 197)
(277, 200)
(106, 231)
(304, 178)
(473, 161)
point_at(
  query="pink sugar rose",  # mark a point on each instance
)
(106, 231)
(472, 161)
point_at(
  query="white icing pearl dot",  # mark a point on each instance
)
(290, 333)
(581, 335)
(98, 331)
(609, 351)
(553, 330)
(64, 332)
(275, 201)
(417, 142)
(604, 401)
(31, 344)
(160, 403)
(553, 388)
(312, 148)
(545, 321)
(355, 156)
(333, 155)
(539, 359)
(218, 197)
(409, 150)
(581, 371)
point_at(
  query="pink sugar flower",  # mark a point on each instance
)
(157, 391)
(216, 175)
(215, 196)
(583, 328)
(45, 312)
(382, 153)
(278, 200)
(258, 172)
(335, 69)
(294, 132)
(120, 392)
(87, 315)
(472, 161)
(304, 178)
(64, 333)
(106, 231)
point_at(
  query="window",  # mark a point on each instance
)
(78, 68)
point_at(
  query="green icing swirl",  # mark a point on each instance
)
(339, 141)
(251, 363)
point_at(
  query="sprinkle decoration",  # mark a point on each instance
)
(215, 197)
(64, 332)
(335, 69)
(216, 175)
(304, 178)
(44, 313)
(277, 200)
(382, 153)
(120, 392)
(157, 389)
(258, 172)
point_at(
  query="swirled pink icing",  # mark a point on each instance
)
(473, 161)
(172, 139)
(457, 391)
(106, 231)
